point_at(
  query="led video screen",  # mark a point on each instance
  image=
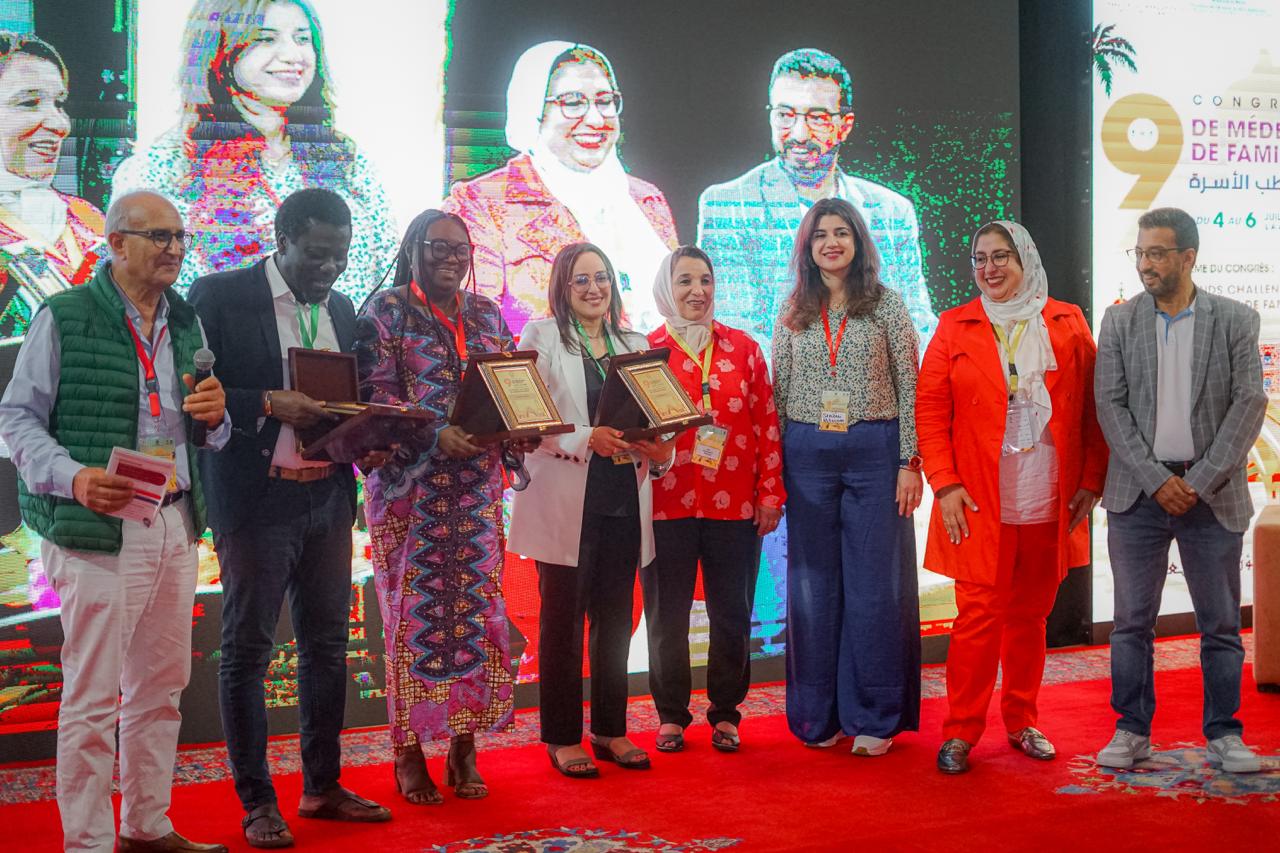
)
(400, 106)
(1187, 114)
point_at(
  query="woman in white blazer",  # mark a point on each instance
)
(586, 518)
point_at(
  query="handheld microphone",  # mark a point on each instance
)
(204, 359)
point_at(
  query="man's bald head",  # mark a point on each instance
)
(131, 210)
(137, 258)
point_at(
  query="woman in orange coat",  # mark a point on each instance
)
(1013, 451)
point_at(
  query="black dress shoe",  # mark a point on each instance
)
(953, 757)
(171, 843)
(1032, 742)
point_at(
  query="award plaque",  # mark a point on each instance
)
(503, 397)
(330, 378)
(643, 398)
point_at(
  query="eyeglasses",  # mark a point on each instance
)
(785, 117)
(577, 105)
(997, 259)
(582, 283)
(163, 239)
(441, 249)
(1155, 254)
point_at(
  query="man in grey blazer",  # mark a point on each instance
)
(1180, 400)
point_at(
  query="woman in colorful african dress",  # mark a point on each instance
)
(435, 514)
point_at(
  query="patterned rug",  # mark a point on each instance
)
(573, 840)
(1180, 770)
(372, 746)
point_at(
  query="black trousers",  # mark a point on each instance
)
(299, 546)
(600, 588)
(730, 555)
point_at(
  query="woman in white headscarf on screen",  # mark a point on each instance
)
(565, 185)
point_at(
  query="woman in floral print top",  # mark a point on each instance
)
(845, 363)
(722, 494)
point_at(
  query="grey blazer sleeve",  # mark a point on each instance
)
(1239, 429)
(1119, 425)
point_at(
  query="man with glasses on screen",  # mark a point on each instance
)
(1179, 393)
(106, 365)
(748, 225)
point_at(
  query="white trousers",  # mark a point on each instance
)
(126, 619)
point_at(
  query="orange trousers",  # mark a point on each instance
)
(1002, 626)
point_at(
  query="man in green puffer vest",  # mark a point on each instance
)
(104, 365)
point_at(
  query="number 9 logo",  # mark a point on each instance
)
(1152, 166)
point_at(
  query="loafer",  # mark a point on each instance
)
(1125, 750)
(1032, 742)
(868, 746)
(171, 843)
(953, 756)
(1234, 757)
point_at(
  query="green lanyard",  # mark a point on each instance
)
(586, 344)
(308, 336)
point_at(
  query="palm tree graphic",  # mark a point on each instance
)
(1109, 49)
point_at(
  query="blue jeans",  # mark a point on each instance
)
(1138, 540)
(299, 544)
(853, 612)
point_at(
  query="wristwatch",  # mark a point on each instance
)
(915, 463)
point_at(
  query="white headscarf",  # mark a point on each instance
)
(695, 333)
(1035, 354)
(600, 200)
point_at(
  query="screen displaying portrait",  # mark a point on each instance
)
(1187, 114)
(636, 126)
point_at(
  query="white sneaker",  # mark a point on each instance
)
(867, 745)
(1125, 750)
(1234, 756)
(825, 744)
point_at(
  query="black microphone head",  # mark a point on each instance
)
(204, 359)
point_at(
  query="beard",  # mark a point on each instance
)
(1163, 285)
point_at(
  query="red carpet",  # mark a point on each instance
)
(777, 795)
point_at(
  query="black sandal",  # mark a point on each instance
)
(666, 742)
(460, 769)
(633, 759)
(277, 832)
(586, 768)
(725, 741)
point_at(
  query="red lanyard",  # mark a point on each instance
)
(459, 331)
(148, 366)
(834, 348)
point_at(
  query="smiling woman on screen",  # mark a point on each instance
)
(565, 185)
(257, 124)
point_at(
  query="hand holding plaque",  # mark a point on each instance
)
(643, 398)
(504, 398)
(354, 429)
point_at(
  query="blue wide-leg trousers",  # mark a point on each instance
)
(853, 612)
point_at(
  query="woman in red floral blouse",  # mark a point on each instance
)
(722, 494)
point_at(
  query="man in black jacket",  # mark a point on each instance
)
(282, 524)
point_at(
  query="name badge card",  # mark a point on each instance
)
(161, 447)
(835, 412)
(708, 446)
(1019, 426)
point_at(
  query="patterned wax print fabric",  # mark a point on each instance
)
(228, 195)
(435, 524)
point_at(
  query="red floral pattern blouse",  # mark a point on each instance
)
(750, 471)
